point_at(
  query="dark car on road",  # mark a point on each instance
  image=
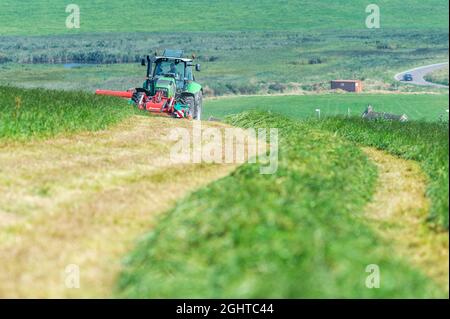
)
(407, 77)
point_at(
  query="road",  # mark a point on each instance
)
(420, 72)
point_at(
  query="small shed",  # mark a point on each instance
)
(347, 85)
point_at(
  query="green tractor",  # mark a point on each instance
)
(170, 87)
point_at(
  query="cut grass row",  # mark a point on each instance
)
(425, 139)
(426, 143)
(319, 174)
(84, 199)
(38, 113)
(28, 114)
(297, 233)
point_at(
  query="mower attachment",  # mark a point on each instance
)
(158, 104)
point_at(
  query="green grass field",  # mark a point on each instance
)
(294, 234)
(26, 114)
(49, 16)
(429, 107)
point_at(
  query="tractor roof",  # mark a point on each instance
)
(173, 54)
(157, 58)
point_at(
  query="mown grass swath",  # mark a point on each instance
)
(427, 143)
(424, 139)
(32, 113)
(296, 233)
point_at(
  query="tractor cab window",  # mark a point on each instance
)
(189, 76)
(170, 68)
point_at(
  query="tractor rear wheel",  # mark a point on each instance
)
(189, 101)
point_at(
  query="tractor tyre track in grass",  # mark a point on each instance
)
(398, 212)
(84, 200)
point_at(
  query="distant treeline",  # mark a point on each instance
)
(126, 48)
(208, 47)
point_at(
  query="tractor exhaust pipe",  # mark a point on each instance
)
(147, 61)
(149, 66)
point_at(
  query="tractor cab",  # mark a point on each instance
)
(171, 66)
